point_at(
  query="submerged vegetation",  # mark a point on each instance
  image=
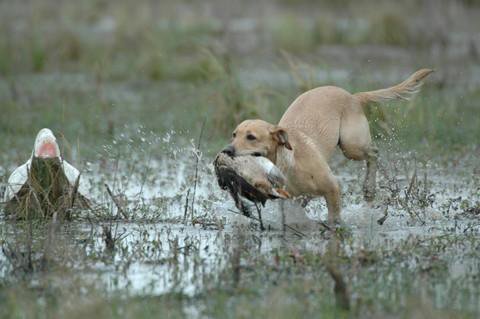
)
(142, 94)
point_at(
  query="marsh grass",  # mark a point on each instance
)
(287, 279)
(390, 29)
(293, 34)
(117, 83)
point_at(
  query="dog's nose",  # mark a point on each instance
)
(229, 150)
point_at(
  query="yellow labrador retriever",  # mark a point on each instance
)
(308, 133)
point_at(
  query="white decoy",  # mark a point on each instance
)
(45, 147)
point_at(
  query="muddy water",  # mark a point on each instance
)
(181, 238)
(165, 247)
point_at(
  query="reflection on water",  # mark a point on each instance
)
(168, 246)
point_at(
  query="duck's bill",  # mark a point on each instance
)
(47, 150)
(281, 193)
(46, 145)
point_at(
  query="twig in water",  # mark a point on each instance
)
(382, 219)
(108, 238)
(324, 225)
(119, 208)
(413, 182)
(186, 207)
(112, 238)
(197, 160)
(408, 193)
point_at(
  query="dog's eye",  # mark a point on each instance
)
(234, 134)
(251, 137)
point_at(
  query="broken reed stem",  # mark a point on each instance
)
(185, 212)
(119, 208)
(75, 191)
(112, 238)
(408, 193)
(324, 225)
(382, 219)
(197, 160)
(108, 238)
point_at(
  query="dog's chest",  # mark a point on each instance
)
(286, 163)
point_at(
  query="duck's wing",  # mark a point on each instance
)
(276, 177)
(254, 168)
(72, 175)
(70, 172)
(16, 180)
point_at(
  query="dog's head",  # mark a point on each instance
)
(257, 138)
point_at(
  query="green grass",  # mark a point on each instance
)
(172, 73)
(88, 114)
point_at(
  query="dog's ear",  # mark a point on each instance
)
(281, 137)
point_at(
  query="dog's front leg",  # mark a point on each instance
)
(329, 188)
(332, 198)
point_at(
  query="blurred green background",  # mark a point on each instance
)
(94, 69)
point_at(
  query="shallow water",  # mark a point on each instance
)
(165, 247)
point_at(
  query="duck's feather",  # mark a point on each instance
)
(240, 174)
(16, 180)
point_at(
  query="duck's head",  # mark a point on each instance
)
(46, 145)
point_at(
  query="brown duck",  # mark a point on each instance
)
(252, 177)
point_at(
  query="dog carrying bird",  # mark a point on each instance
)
(252, 177)
(310, 130)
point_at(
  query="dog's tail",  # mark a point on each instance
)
(403, 91)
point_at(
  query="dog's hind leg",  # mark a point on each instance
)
(356, 144)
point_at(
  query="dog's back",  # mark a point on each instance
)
(317, 114)
(331, 116)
